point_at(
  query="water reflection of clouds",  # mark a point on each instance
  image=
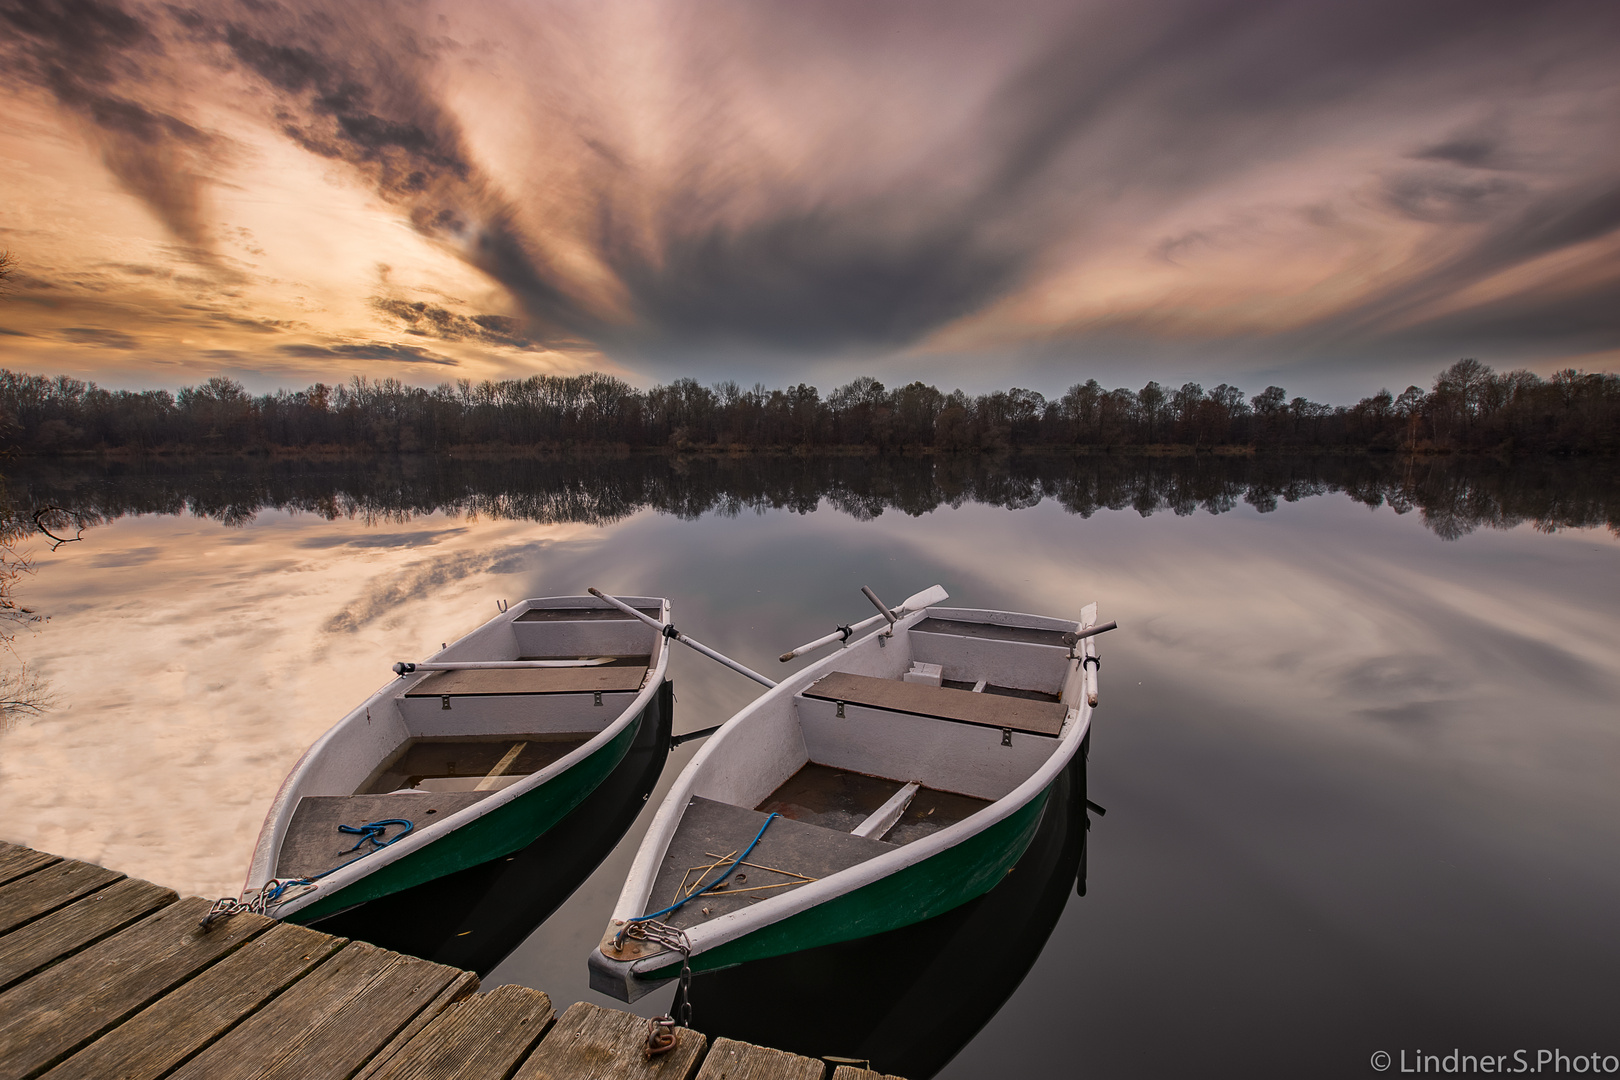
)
(421, 538)
(191, 680)
(1318, 614)
(387, 592)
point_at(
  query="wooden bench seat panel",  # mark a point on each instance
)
(624, 675)
(1025, 635)
(941, 703)
(583, 615)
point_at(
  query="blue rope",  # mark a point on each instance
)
(373, 831)
(369, 831)
(712, 884)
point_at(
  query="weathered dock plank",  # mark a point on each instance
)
(29, 948)
(850, 1072)
(481, 1038)
(461, 986)
(602, 1044)
(729, 1059)
(54, 886)
(16, 860)
(159, 1037)
(68, 1005)
(329, 1023)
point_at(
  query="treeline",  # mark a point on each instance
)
(1453, 495)
(1469, 408)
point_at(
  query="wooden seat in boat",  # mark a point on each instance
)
(790, 854)
(1026, 635)
(314, 844)
(624, 675)
(582, 615)
(941, 703)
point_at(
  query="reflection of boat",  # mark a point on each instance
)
(469, 757)
(474, 918)
(910, 999)
(889, 783)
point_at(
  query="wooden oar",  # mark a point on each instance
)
(405, 668)
(669, 631)
(916, 602)
(690, 736)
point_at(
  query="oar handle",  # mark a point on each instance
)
(887, 614)
(843, 633)
(405, 667)
(669, 631)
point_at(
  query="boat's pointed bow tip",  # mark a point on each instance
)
(612, 969)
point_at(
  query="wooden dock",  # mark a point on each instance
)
(105, 976)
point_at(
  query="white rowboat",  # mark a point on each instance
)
(464, 758)
(888, 783)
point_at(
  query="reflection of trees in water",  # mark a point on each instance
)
(22, 691)
(1454, 496)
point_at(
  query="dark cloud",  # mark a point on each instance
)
(356, 87)
(1474, 151)
(253, 325)
(100, 337)
(1172, 246)
(819, 280)
(1554, 221)
(371, 350)
(92, 56)
(432, 320)
(1447, 198)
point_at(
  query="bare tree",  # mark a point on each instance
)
(22, 691)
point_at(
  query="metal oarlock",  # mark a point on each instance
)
(916, 602)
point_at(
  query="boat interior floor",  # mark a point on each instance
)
(841, 799)
(314, 844)
(449, 764)
(711, 834)
(623, 674)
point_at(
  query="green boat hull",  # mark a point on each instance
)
(921, 891)
(496, 834)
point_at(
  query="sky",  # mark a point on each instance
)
(1329, 196)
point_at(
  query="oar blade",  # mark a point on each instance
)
(927, 598)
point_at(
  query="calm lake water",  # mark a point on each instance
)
(1358, 739)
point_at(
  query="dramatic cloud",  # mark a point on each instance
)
(964, 192)
(432, 320)
(371, 350)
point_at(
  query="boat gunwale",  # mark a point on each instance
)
(279, 816)
(733, 925)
